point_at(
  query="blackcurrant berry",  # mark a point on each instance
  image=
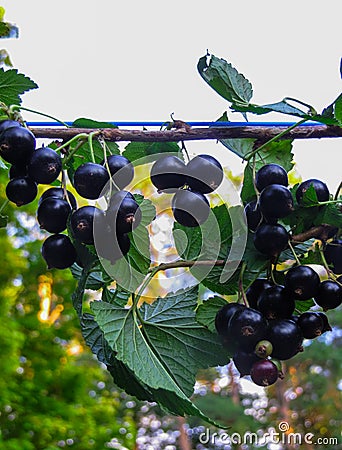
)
(248, 327)
(255, 290)
(82, 223)
(275, 201)
(286, 338)
(302, 282)
(333, 255)
(189, 208)
(109, 244)
(253, 215)
(17, 172)
(5, 124)
(17, 145)
(168, 173)
(326, 324)
(311, 324)
(329, 295)
(244, 361)
(223, 316)
(321, 189)
(276, 303)
(264, 372)
(263, 349)
(21, 190)
(124, 212)
(270, 174)
(121, 170)
(52, 214)
(270, 239)
(58, 251)
(204, 174)
(44, 166)
(59, 193)
(90, 180)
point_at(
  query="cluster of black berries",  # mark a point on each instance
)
(56, 207)
(267, 332)
(276, 202)
(188, 182)
(109, 229)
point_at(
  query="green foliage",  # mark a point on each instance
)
(13, 85)
(135, 151)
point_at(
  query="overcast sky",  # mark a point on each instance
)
(137, 60)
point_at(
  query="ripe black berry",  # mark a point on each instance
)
(52, 214)
(302, 282)
(255, 290)
(264, 372)
(59, 193)
(124, 212)
(329, 295)
(58, 251)
(321, 189)
(271, 239)
(333, 255)
(44, 166)
(326, 324)
(276, 303)
(5, 124)
(244, 361)
(17, 145)
(189, 208)
(82, 223)
(286, 338)
(168, 173)
(311, 324)
(109, 244)
(17, 171)
(248, 327)
(270, 174)
(21, 190)
(121, 170)
(204, 174)
(253, 215)
(223, 316)
(275, 201)
(90, 180)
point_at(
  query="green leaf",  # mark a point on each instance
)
(122, 376)
(162, 344)
(8, 30)
(301, 249)
(135, 151)
(330, 214)
(206, 312)
(225, 79)
(309, 197)
(90, 123)
(338, 109)
(304, 305)
(94, 281)
(241, 147)
(13, 85)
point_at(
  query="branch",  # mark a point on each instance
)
(195, 134)
(322, 232)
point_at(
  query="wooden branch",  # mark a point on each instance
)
(194, 134)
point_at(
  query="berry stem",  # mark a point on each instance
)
(90, 142)
(241, 289)
(338, 191)
(82, 137)
(185, 151)
(3, 206)
(294, 253)
(275, 138)
(14, 108)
